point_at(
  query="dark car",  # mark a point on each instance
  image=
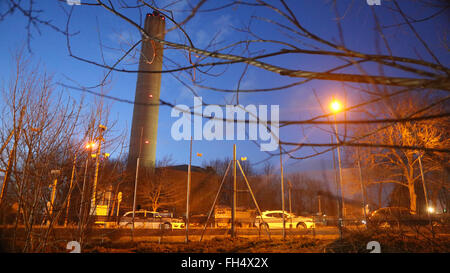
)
(396, 216)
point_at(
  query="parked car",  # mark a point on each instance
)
(396, 216)
(150, 219)
(274, 219)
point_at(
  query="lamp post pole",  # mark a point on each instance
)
(290, 203)
(339, 203)
(282, 193)
(82, 191)
(341, 197)
(363, 195)
(336, 107)
(136, 182)
(70, 190)
(425, 194)
(233, 210)
(97, 163)
(188, 192)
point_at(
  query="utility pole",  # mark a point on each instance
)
(282, 193)
(188, 191)
(70, 190)
(290, 203)
(363, 195)
(425, 193)
(80, 221)
(423, 182)
(340, 170)
(233, 210)
(339, 201)
(136, 182)
(319, 197)
(97, 163)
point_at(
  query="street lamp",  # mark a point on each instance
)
(336, 107)
(91, 145)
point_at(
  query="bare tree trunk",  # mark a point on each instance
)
(412, 198)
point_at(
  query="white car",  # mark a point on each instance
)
(274, 219)
(150, 219)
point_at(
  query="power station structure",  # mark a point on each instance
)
(144, 128)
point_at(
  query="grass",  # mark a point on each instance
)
(226, 245)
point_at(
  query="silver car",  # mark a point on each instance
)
(274, 219)
(151, 220)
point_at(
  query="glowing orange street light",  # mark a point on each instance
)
(91, 145)
(336, 106)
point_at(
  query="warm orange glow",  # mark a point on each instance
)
(91, 145)
(336, 106)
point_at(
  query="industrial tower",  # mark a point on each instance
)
(144, 127)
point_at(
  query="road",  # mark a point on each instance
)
(157, 235)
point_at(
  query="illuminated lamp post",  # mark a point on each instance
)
(102, 128)
(336, 107)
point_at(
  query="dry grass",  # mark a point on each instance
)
(406, 240)
(227, 245)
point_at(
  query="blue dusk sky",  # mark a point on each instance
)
(48, 48)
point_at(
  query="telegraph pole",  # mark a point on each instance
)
(282, 193)
(339, 201)
(97, 163)
(319, 197)
(362, 190)
(136, 182)
(70, 190)
(233, 210)
(290, 203)
(425, 193)
(80, 221)
(188, 191)
(340, 170)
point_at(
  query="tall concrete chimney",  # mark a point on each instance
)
(144, 128)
